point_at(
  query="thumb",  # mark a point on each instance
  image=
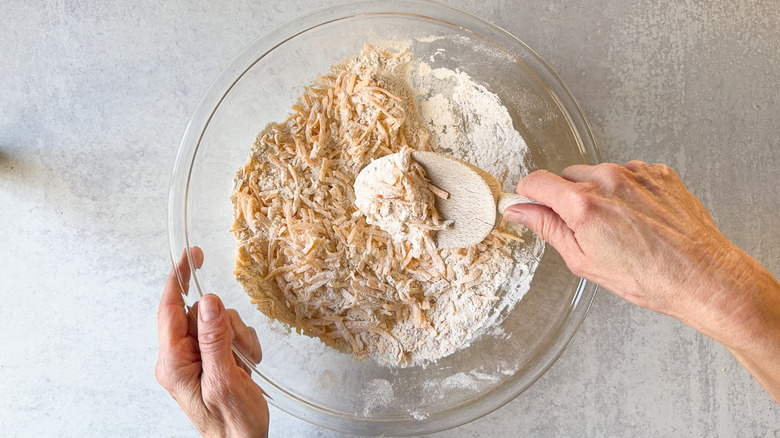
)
(543, 221)
(215, 335)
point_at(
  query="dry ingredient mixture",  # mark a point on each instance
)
(396, 195)
(307, 256)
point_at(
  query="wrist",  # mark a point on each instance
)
(737, 303)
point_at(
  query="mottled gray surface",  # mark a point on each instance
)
(94, 97)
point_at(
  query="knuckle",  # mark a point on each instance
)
(544, 229)
(213, 337)
(582, 200)
(162, 314)
(161, 373)
(613, 179)
(613, 171)
(607, 168)
(663, 171)
(636, 165)
(539, 173)
(606, 176)
(534, 178)
(549, 230)
(158, 374)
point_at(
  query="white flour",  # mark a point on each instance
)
(470, 122)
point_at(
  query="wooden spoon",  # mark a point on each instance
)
(475, 203)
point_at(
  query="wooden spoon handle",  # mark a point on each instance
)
(507, 199)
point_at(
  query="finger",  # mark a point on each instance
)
(171, 317)
(197, 256)
(257, 354)
(197, 261)
(241, 364)
(192, 320)
(636, 166)
(179, 278)
(178, 281)
(607, 176)
(215, 337)
(546, 188)
(578, 173)
(547, 224)
(242, 337)
(608, 180)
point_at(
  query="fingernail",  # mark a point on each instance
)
(209, 308)
(513, 215)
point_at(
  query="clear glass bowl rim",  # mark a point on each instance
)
(232, 73)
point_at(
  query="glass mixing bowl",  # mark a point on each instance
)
(300, 374)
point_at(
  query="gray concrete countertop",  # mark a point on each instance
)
(94, 99)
